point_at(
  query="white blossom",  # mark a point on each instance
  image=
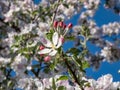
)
(4, 61)
(103, 83)
(51, 47)
(44, 27)
(19, 64)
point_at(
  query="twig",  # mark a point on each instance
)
(55, 12)
(73, 73)
(17, 29)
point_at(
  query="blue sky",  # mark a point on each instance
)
(102, 16)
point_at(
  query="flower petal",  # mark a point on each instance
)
(53, 53)
(59, 43)
(45, 42)
(55, 38)
(44, 51)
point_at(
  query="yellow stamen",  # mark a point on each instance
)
(53, 46)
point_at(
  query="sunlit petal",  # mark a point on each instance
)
(45, 51)
(53, 53)
(59, 43)
(55, 38)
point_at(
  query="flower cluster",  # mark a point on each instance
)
(32, 40)
(103, 83)
(55, 44)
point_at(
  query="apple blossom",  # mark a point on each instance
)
(51, 47)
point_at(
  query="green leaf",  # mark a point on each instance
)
(85, 65)
(53, 84)
(51, 31)
(46, 70)
(49, 36)
(62, 88)
(10, 84)
(52, 66)
(62, 78)
(70, 38)
(74, 51)
(35, 12)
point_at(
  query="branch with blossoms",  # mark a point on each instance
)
(34, 58)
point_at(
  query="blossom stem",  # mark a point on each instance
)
(74, 76)
(55, 12)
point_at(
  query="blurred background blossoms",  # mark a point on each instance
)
(32, 39)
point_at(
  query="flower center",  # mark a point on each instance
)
(53, 46)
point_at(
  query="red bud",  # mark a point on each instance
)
(64, 26)
(55, 24)
(41, 47)
(61, 24)
(70, 25)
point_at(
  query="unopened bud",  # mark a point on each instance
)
(41, 47)
(55, 24)
(70, 25)
(61, 24)
(62, 39)
(47, 58)
(64, 26)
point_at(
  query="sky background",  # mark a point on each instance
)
(102, 16)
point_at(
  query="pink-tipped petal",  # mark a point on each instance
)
(45, 42)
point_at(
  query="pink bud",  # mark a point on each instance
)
(41, 47)
(64, 26)
(55, 24)
(47, 58)
(62, 39)
(70, 25)
(61, 24)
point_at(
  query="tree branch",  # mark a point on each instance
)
(17, 29)
(55, 12)
(73, 73)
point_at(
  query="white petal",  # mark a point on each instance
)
(59, 43)
(55, 38)
(45, 42)
(45, 51)
(53, 53)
